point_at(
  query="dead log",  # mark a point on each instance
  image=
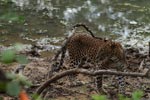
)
(86, 72)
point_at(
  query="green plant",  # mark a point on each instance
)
(36, 97)
(13, 88)
(99, 97)
(7, 56)
(137, 95)
(121, 97)
(9, 82)
(15, 84)
(10, 55)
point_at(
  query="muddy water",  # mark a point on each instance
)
(126, 21)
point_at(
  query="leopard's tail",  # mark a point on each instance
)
(84, 26)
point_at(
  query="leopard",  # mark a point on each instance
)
(86, 48)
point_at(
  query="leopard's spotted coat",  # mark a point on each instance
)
(86, 48)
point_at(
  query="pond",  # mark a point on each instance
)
(33, 21)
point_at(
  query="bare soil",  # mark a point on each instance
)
(83, 87)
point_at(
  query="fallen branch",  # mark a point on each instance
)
(86, 72)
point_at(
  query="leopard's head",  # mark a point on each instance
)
(119, 52)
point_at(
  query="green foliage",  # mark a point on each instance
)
(99, 97)
(23, 81)
(121, 97)
(20, 78)
(137, 95)
(8, 56)
(13, 85)
(12, 16)
(10, 76)
(13, 88)
(36, 97)
(21, 59)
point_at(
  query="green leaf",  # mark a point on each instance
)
(121, 97)
(22, 59)
(99, 97)
(36, 97)
(20, 78)
(11, 75)
(8, 56)
(24, 81)
(137, 95)
(13, 88)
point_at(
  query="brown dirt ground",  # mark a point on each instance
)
(36, 72)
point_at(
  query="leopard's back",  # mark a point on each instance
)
(83, 46)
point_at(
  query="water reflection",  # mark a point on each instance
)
(107, 18)
(104, 13)
(21, 3)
